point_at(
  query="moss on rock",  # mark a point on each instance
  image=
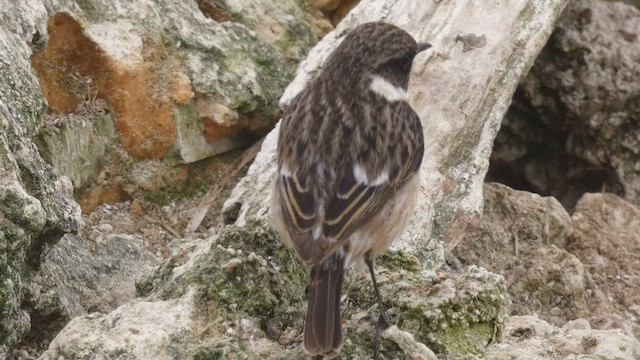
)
(399, 260)
(248, 270)
(457, 316)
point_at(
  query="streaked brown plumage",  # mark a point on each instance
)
(349, 153)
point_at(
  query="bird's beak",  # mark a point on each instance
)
(423, 46)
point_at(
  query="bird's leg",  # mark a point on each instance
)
(383, 320)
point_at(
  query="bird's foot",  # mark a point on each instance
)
(382, 325)
(296, 340)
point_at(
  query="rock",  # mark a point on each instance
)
(137, 330)
(606, 239)
(197, 82)
(32, 212)
(459, 315)
(245, 295)
(336, 10)
(573, 125)
(77, 277)
(76, 146)
(245, 271)
(454, 314)
(529, 338)
(168, 82)
(557, 267)
(460, 107)
(523, 236)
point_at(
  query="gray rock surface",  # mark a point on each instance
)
(530, 338)
(33, 210)
(573, 126)
(523, 237)
(606, 239)
(77, 276)
(241, 294)
(557, 267)
(137, 330)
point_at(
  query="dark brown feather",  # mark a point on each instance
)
(377, 145)
(323, 330)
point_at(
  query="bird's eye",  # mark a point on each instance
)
(395, 65)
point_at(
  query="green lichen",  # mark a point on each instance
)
(442, 215)
(147, 284)
(399, 260)
(249, 271)
(104, 125)
(457, 322)
(74, 149)
(225, 350)
(14, 322)
(21, 109)
(210, 354)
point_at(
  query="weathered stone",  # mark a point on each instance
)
(530, 338)
(606, 239)
(460, 105)
(245, 271)
(137, 330)
(32, 212)
(76, 277)
(458, 315)
(75, 148)
(573, 126)
(177, 78)
(250, 302)
(182, 81)
(522, 236)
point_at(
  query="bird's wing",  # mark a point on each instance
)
(380, 167)
(373, 167)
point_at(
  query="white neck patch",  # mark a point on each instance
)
(360, 175)
(384, 88)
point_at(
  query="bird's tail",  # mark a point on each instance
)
(323, 330)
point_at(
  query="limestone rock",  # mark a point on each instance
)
(173, 82)
(32, 212)
(557, 267)
(530, 338)
(77, 277)
(573, 124)
(138, 330)
(245, 293)
(180, 78)
(523, 236)
(460, 106)
(606, 239)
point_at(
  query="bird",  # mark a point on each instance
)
(348, 158)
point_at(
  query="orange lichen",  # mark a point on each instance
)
(213, 131)
(213, 11)
(63, 66)
(342, 10)
(181, 90)
(101, 194)
(74, 70)
(336, 10)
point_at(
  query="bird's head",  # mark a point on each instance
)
(376, 48)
